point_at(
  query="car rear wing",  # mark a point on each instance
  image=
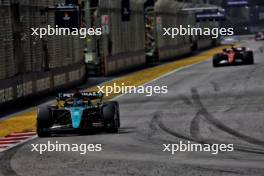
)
(85, 95)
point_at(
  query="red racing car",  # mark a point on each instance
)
(234, 56)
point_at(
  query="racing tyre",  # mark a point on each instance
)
(110, 112)
(249, 58)
(216, 60)
(44, 121)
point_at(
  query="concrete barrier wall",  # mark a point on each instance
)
(127, 38)
(168, 15)
(30, 65)
(125, 61)
(32, 84)
(204, 42)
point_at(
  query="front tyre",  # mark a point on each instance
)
(44, 121)
(249, 58)
(216, 60)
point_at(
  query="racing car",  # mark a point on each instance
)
(233, 56)
(80, 111)
(259, 36)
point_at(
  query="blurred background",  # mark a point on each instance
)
(245, 16)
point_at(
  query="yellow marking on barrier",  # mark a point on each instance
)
(26, 121)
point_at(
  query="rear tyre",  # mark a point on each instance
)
(110, 111)
(44, 121)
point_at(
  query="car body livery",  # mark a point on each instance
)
(233, 56)
(78, 111)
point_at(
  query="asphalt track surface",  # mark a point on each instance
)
(204, 105)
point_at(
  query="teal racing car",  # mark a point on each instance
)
(79, 111)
